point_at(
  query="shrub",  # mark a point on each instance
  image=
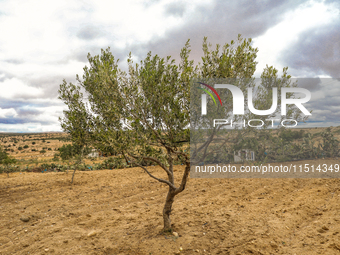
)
(69, 151)
(56, 157)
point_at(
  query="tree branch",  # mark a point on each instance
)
(154, 160)
(158, 179)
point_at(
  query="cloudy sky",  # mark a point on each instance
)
(43, 42)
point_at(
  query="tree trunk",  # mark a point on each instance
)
(78, 163)
(73, 174)
(167, 210)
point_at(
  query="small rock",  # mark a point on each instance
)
(197, 250)
(92, 233)
(25, 218)
(325, 228)
(177, 252)
(47, 249)
(321, 230)
(274, 246)
(180, 249)
(175, 234)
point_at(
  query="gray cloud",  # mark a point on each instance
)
(5, 75)
(49, 84)
(175, 9)
(148, 3)
(15, 61)
(312, 84)
(28, 111)
(90, 32)
(221, 24)
(317, 52)
(19, 105)
(16, 120)
(326, 109)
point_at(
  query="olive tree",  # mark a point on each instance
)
(144, 113)
(76, 119)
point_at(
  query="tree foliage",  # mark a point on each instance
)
(144, 113)
(76, 119)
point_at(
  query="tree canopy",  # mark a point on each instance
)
(144, 113)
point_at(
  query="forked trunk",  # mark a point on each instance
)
(170, 199)
(167, 210)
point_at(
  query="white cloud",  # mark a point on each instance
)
(44, 41)
(281, 36)
(15, 89)
(4, 113)
(29, 127)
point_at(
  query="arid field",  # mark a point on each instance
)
(119, 211)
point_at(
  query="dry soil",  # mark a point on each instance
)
(120, 212)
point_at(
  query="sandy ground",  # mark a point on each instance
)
(119, 212)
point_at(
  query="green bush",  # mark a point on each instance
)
(69, 151)
(56, 157)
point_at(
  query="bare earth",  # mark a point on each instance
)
(120, 212)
